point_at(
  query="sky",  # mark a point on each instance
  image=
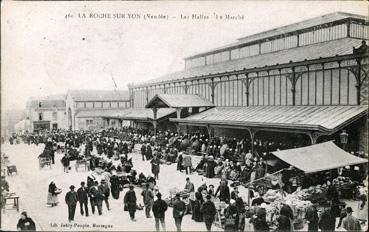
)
(48, 47)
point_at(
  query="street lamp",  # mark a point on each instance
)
(344, 139)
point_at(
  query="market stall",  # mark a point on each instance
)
(303, 161)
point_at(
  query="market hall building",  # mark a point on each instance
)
(306, 82)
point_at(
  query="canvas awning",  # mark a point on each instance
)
(318, 157)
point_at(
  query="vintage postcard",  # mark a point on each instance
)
(184, 116)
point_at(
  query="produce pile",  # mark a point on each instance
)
(314, 193)
(341, 181)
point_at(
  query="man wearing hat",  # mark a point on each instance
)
(159, 207)
(71, 199)
(105, 190)
(208, 211)
(351, 223)
(179, 209)
(130, 202)
(82, 194)
(148, 199)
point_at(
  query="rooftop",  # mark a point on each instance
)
(326, 119)
(50, 101)
(290, 28)
(178, 101)
(314, 51)
(99, 95)
(143, 114)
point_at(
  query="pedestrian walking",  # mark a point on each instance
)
(351, 223)
(82, 194)
(155, 167)
(26, 223)
(148, 199)
(159, 207)
(130, 202)
(66, 162)
(95, 198)
(143, 151)
(187, 163)
(208, 211)
(327, 220)
(71, 199)
(312, 218)
(105, 190)
(179, 209)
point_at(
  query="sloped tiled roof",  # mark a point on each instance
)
(143, 114)
(99, 95)
(328, 119)
(178, 101)
(309, 52)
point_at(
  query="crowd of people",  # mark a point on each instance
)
(229, 159)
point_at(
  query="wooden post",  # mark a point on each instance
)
(155, 123)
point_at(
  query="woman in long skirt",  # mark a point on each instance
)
(52, 196)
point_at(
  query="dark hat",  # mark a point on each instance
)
(72, 187)
(349, 210)
(82, 183)
(178, 195)
(24, 213)
(158, 194)
(131, 186)
(208, 196)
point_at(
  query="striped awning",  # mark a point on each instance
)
(326, 119)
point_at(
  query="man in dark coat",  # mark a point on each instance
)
(312, 218)
(179, 209)
(148, 199)
(155, 166)
(224, 193)
(71, 199)
(66, 162)
(159, 207)
(284, 223)
(115, 186)
(95, 198)
(26, 223)
(82, 194)
(143, 151)
(327, 220)
(130, 202)
(105, 190)
(208, 211)
(231, 217)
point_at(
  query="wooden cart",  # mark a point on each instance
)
(44, 162)
(84, 163)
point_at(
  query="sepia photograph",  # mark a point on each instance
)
(184, 116)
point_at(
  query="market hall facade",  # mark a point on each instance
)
(306, 80)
